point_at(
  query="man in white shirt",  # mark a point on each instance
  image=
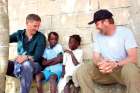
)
(114, 57)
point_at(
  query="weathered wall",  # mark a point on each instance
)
(4, 42)
(135, 21)
(69, 17)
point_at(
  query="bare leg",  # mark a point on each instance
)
(39, 78)
(76, 89)
(53, 84)
(67, 88)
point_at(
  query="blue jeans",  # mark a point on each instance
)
(28, 69)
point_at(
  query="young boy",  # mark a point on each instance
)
(53, 59)
(72, 58)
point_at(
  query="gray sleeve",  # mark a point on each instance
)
(130, 41)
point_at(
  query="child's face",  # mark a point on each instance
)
(73, 44)
(53, 40)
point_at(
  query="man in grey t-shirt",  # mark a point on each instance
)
(114, 57)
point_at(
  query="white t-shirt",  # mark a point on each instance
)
(115, 47)
(69, 65)
(51, 53)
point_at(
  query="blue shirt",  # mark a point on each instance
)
(51, 53)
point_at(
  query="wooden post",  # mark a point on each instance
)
(4, 42)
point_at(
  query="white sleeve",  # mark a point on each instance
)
(45, 54)
(79, 56)
(59, 49)
(130, 41)
(64, 58)
(96, 46)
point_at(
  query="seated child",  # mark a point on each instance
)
(53, 58)
(72, 58)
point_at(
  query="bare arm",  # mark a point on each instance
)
(63, 70)
(74, 60)
(108, 67)
(53, 61)
(132, 57)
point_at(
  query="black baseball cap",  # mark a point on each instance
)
(100, 15)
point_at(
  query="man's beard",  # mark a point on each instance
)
(103, 32)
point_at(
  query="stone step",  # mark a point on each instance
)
(12, 86)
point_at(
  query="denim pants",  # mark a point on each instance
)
(28, 69)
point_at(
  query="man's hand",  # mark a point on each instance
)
(53, 61)
(107, 66)
(21, 58)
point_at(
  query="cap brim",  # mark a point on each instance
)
(91, 22)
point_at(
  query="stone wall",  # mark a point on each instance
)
(135, 21)
(69, 17)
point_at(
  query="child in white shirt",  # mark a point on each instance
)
(72, 58)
